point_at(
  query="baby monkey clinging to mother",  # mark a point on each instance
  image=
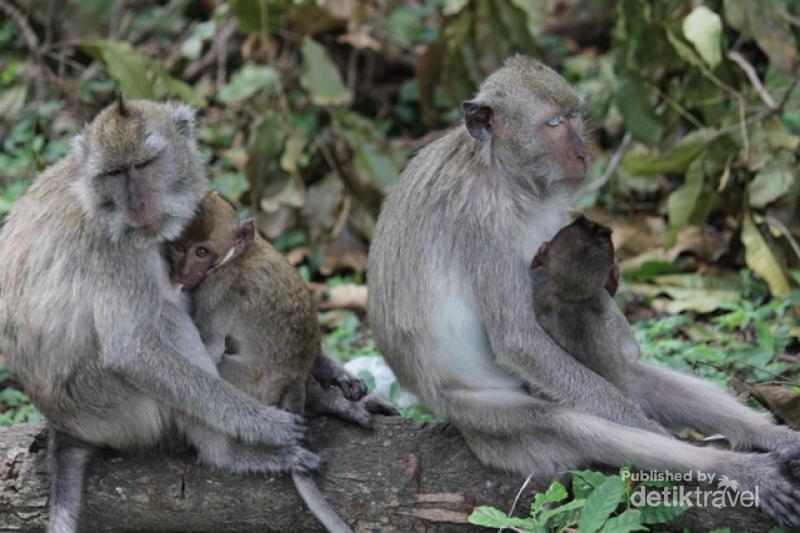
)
(574, 278)
(257, 322)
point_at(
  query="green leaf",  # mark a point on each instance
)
(761, 259)
(637, 107)
(126, 66)
(772, 181)
(761, 20)
(490, 517)
(376, 164)
(677, 160)
(600, 504)
(661, 514)
(555, 493)
(703, 28)
(248, 81)
(681, 203)
(320, 77)
(574, 505)
(630, 520)
(176, 87)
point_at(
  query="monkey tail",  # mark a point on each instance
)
(67, 460)
(316, 502)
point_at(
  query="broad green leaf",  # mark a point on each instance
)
(231, 184)
(636, 104)
(176, 87)
(630, 520)
(676, 160)
(555, 493)
(703, 28)
(584, 481)
(681, 203)
(320, 77)
(772, 181)
(574, 505)
(192, 46)
(248, 81)
(126, 66)
(600, 504)
(490, 517)
(761, 259)
(377, 165)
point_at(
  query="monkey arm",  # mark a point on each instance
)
(524, 348)
(142, 346)
(214, 325)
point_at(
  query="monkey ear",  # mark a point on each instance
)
(478, 119)
(612, 282)
(184, 117)
(121, 109)
(78, 147)
(538, 259)
(245, 235)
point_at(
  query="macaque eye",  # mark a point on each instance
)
(201, 252)
(572, 114)
(116, 171)
(555, 121)
(139, 166)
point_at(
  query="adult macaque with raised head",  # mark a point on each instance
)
(90, 322)
(450, 300)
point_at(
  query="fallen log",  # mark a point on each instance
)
(400, 476)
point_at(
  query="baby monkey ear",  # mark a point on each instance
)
(478, 119)
(245, 235)
(538, 259)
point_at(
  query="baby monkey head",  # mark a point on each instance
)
(580, 258)
(213, 238)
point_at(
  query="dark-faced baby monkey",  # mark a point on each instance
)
(574, 278)
(255, 317)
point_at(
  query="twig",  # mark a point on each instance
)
(210, 57)
(748, 69)
(788, 93)
(517, 498)
(31, 40)
(786, 233)
(613, 164)
(788, 17)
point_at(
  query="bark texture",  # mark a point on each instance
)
(400, 476)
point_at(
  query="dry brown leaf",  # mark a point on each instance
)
(784, 403)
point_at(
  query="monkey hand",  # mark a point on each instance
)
(333, 401)
(329, 373)
(299, 460)
(776, 475)
(352, 387)
(269, 425)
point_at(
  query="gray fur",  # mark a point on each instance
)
(450, 303)
(88, 319)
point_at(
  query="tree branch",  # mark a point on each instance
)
(398, 477)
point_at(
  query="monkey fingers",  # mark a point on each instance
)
(333, 402)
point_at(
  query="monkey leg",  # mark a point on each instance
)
(513, 431)
(221, 451)
(67, 458)
(677, 400)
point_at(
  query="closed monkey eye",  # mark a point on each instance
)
(555, 121)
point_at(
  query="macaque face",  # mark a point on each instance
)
(191, 262)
